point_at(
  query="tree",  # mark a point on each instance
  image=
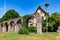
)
(56, 14)
(57, 22)
(53, 22)
(1, 20)
(10, 14)
(25, 20)
(44, 25)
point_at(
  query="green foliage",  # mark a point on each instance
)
(0, 20)
(23, 31)
(56, 14)
(10, 14)
(57, 20)
(53, 22)
(32, 29)
(25, 20)
(44, 25)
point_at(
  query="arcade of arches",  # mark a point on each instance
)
(11, 26)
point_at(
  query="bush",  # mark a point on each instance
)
(23, 30)
(44, 29)
(32, 29)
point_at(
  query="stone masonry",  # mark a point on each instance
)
(11, 25)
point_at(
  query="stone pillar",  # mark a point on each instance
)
(4, 28)
(16, 27)
(0, 28)
(39, 28)
(39, 25)
(9, 28)
(13, 28)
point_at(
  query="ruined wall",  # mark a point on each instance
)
(12, 25)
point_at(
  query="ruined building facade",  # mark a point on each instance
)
(15, 24)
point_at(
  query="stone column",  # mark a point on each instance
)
(9, 28)
(0, 28)
(39, 28)
(39, 25)
(4, 28)
(16, 27)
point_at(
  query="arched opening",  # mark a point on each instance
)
(12, 26)
(19, 23)
(6, 24)
(30, 21)
(2, 26)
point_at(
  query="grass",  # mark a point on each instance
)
(31, 36)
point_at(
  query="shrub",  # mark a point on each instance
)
(44, 29)
(23, 30)
(32, 29)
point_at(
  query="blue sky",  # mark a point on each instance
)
(24, 7)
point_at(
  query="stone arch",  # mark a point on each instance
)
(12, 24)
(6, 25)
(30, 21)
(19, 23)
(1, 24)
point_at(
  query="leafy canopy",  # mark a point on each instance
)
(10, 14)
(53, 22)
(25, 20)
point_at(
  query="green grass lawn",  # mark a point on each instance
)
(31, 36)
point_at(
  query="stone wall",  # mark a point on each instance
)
(12, 25)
